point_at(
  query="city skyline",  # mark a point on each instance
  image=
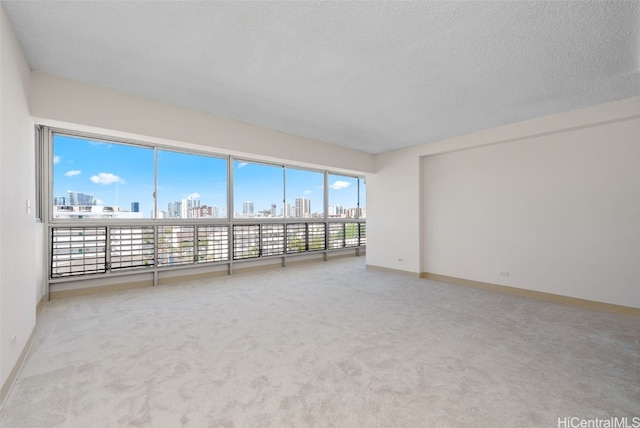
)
(118, 175)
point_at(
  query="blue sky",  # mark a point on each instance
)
(118, 174)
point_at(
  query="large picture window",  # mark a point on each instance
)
(305, 193)
(101, 180)
(258, 190)
(191, 186)
(124, 207)
(344, 197)
(94, 178)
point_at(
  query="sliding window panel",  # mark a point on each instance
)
(99, 179)
(258, 190)
(191, 186)
(304, 194)
(343, 196)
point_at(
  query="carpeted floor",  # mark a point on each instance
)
(323, 345)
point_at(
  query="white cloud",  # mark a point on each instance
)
(307, 192)
(194, 195)
(242, 165)
(338, 185)
(72, 173)
(56, 159)
(106, 178)
(99, 202)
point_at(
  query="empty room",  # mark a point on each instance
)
(320, 214)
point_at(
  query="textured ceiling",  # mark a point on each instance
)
(372, 76)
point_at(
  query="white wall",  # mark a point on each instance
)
(393, 214)
(553, 201)
(59, 102)
(19, 260)
(560, 213)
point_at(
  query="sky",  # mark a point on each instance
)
(118, 174)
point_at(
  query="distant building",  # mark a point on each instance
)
(303, 208)
(79, 198)
(247, 208)
(337, 211)
(201, 212)
(187, 207)
(91, 211)
(173, 209)
(135, 207)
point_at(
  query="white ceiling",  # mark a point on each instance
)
(372, 76)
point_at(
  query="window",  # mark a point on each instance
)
(344, 196)
(362, 185)
(305, 194)
(40, 172)
(258, 190)
(275, 211)
(191, 186)
(99, 179)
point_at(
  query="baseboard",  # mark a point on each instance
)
(390, 270)
(540, 295)
(99, 289)
(40, 304)
(191, 277)
(8, 384)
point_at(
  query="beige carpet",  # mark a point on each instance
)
(323, 345)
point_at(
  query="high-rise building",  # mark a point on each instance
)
(247, 208)
(187, 206)
(201, 211)
(135, 207)
(173, 209)
(79, 198)
(303, 208)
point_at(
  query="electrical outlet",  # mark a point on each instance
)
(504, 273)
